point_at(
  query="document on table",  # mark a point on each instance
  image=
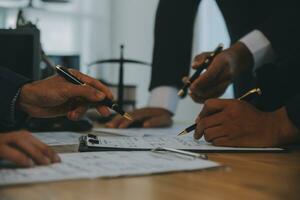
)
(135, 132)
(105, 164)
(58, 138)
(146, 143)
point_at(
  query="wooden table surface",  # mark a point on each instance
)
(244, 175)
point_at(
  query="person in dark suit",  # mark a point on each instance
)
(261, 45)
(269, 52)
(173, 34)
(50, 97)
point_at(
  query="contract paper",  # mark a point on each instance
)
(104, 164)
(176, 142)
(140, 132)
(58, 138)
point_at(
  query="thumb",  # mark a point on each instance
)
(199, 59)
(84, 91)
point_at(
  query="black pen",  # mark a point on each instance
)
(201, 67)
(251, 92)
(63, 71)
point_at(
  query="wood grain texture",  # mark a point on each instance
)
(245, 176)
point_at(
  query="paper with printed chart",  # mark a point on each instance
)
(186, 142)
(58, 138)
(104, 164)
(140, 132)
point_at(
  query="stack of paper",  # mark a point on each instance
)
(58, 138)
(143, 132)
(104, 164)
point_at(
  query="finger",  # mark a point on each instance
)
(93, 82)
(15, 156)
(215, 91)
(77, 113)
(213, 133)
(208, 78)
(83, 91)
(211, 120)
(125, 123)
(198, 133)
(115, 122)
(32, 151)
(103, 110)
(160, 121)
(185, 79)
(222, 141)
(207, 122)
(46, 150)
(197, 98)
(199, 59)
(140, 116)
(213, 106)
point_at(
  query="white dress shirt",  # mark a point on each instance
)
(260, 47)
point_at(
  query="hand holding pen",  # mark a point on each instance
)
(199, 66)
(103, 103)
(248, 95)
(226, 65)
(55, 96)
(229, 122)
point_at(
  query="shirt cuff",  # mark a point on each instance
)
(164, 97)
(260, 47)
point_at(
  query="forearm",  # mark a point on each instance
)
(174, 25)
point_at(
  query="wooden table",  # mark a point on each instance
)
(245, 176)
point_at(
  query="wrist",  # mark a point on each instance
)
(286, 130)
(25, 99)
(242, 59)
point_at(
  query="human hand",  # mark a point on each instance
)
(149, 117)
(55, 96)
(21, 148)
(226, 65)
(237, 123)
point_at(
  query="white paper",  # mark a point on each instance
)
(176, 142)
(135, 132)
(104, 164)
(58, 138)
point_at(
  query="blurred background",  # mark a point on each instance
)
(77, 32)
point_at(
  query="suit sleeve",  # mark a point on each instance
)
(174, 25)
(282, 28)
(10, 84)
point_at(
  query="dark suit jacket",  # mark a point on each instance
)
(277, 20)
(10, 83)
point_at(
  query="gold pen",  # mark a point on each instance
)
(193, 127)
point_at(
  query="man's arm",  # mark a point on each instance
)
(10, 84)
(174, 25)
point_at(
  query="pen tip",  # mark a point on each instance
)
(180, 93)
(182, 133)
(127, 116)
